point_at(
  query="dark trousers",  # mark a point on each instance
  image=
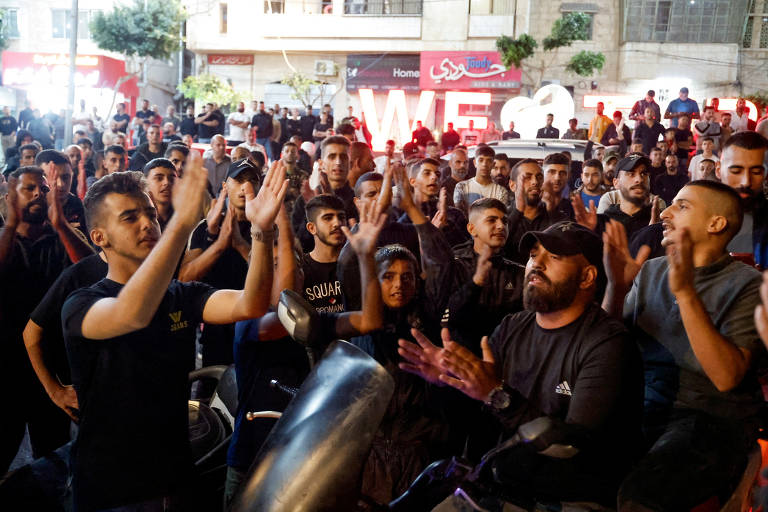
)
(696, 457)
(27, 405)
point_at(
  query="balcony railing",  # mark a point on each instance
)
(383, 7)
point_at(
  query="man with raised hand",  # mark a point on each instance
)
(129, 337)
(691, 313)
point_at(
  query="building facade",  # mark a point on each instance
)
(716, 48)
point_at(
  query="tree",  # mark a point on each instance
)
(521, 52)
(3, 30)
(306, 90)
(760, 99)
(210, 89)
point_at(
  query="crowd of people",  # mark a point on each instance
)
(617, 296)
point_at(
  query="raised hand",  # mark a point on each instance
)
(439, 218)
(585, 217)
(655, 214)
(620, 267)
(213, 219)
(189, 191)
(680, 259)
(227, 227)
(421, 358)
(365, 240)
(261, 210)
(761, 311)
(520, 192)
(548, 196)
(466, 372)
(403, 187)
(55, 208)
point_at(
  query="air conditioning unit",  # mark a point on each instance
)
(325, 68)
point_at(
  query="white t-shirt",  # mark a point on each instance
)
(470, 137)
(381, 163)
(235, 132)
(693, 166)
(469, 191)
(614, 197)
(739, 123)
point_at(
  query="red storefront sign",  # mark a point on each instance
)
(230, 60)
(24, 69)
(466, 70)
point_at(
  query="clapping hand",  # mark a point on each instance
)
(365, 240)
(262, 209)
(620, 267)
(582, 215)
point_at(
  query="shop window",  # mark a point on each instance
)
(274, 6)
(702, 21)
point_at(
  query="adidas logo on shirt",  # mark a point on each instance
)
(563, 389)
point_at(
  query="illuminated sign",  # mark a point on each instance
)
(230, 60)
(529, 114)
(611, 102)
(395, 107)
(382, 72)
(729, 104)
(466, 70)
(61, 59)
(452, 101)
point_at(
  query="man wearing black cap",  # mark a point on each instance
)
(564, 358)
(681, 106)
(218, 253)
(638, 114)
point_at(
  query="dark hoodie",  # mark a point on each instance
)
(142, 156)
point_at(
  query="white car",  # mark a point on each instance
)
(538, 149)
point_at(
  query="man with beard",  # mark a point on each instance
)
(741, 168)
(289, 159)
(458, 166)
(692, 316)
(556, 168)
(481, 186)
(648, 130)
(321, 288)
(238, 122)
(218, 162)
(177, 154)
(500, 171)
(334, 165)
(667, 185)
(387, 158)
(36, 244)
(153, 148)
(450, 138)
(591, 183)
(360, 161)
(531, 211)
(564, 358)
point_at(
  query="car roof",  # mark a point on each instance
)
(538, 149)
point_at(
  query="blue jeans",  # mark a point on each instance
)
(266, 143)
(203, 140)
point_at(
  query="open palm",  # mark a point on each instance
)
(262, 209)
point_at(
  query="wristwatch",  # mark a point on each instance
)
(498, 398)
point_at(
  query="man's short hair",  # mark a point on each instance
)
(415, 168)
(486, 203)
(51, 155)
(516, 169)
(431, 144)
(28, 169)
(555, 159)
(484, 150)
(746, 140)
(593, 162)
(728, 201)
(706, 160)
(333, 139)
(345, 129)
(289, 144)
(388, 254)
(155, 125)
(705, 139)
(181, 148)
(85, 140)
(258, 157)
(116, 149)
(501, 156)
(654, 148)
(617, 114)
(31, 146)
(390, 142)
(368, 176)
(709, 107)
(129, 183)
(322, 202)
(158, 162)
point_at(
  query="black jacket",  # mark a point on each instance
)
(519, 225)
(263, 122)
(142, 156)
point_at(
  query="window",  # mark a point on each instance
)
(222, 18)
(702, 21)
(61, 23)
(274, 6)
(383, 7)
(10, 23)
(495, 7)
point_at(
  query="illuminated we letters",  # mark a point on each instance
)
(395, 106)
(452, 101)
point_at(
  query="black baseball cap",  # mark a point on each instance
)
(567, 238)
(238, 167)
(628, 163)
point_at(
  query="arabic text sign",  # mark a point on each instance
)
(230, 60)
(466, 70)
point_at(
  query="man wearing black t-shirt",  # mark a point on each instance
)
(321, 288)
(8, 127)
(262, 121)
(188, 126)
(153, 148)
(129, 337)
(120, 119)
(321, 129)
(218, 253)
(36, 244)
(564, 358)
(53, 162)
(207, 124)
(307, 124)
(667, 185)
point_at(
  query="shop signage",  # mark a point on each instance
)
(230, 60)
(382, 72)
(466, 70)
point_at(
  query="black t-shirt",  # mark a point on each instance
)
(227, 273)
(666, 186)
(648, 136)
(8, 125)
(207, 132)
(321, 287)
(188, 126)
(321, 127)
(133, 442)
(682, 136)
(122, 117)
(47, 314)
(306, 125)
(75, 213)
(587, 373)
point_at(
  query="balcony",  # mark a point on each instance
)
(383, 7)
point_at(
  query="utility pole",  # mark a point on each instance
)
(72, 70)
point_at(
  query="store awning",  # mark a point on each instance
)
(25, 69)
